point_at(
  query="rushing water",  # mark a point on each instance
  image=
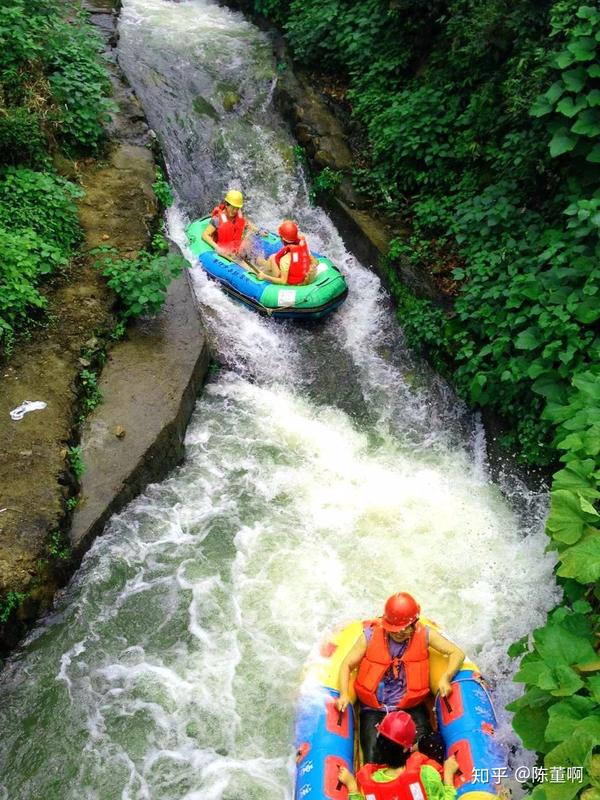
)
(325, 468)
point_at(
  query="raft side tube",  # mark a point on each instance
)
(467, 722)
(324, 740)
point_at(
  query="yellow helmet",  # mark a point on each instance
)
(235, 198)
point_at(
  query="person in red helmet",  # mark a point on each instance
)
(392, 657)
(400, 773)
(293, 264)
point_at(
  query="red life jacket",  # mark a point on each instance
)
(377, 660)
(417, 760)
(299, 261)
(407, 786)
(229, 232)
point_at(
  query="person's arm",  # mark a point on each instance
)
(252, 228)
(208, 234)
(349, 781)
(352, 660)
(271, 278)
(282, 271)
(208, 237)
(455, 659)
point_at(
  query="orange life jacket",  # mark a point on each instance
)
(229, 232)
(377, 660)
(299, 261)
(407, 786)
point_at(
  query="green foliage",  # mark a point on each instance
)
(325, 181)
(53, 84)
(76, 461)
(573, 100)
(39, 44)
(72, 503)
(79, 82)
(159, 244)
(38, 229)
(22, 140)
(141, 283)
(559, 713)
(299, 154)
(42, 201)
(91, 395)
(57, 546)
(10, 603)
(162, 190)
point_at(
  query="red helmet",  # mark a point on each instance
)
(399, 727)
(288, 231)
(401, 610)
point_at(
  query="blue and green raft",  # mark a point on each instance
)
(324, 294)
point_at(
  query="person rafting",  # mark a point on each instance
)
(293, 264)
(400, 773)
(392, 657)
(228, 228)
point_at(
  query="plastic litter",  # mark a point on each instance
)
(25, 407)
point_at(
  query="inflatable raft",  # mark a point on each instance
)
(320, 297)
(326, 738)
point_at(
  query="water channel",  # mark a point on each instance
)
(326, 467)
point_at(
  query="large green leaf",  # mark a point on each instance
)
(588, 311)
(576, 751)
(567, 520)
(582, 561)
(562, 142)
(583, 48)
(565, 716)
(555, 91)
(588, 383)
(566, 682)
(569, 107)
(558, 645)
(594, 687)
(527, 339)
(548, 385)
(574, 79)
(594, 154)
(588, 123)
(578, 476)
(591, 440)
(535, 672)
(540, 108)
(530, 724)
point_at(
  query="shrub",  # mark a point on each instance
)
(21, 138)
(140, 283)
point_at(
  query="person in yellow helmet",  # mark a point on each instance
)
(228, 228)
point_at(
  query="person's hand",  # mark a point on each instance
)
(342, 702)
(347, 778)
(262, 232)
(261, 275)
(450, 766)
(445, 687)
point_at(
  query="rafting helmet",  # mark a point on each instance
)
(235, 198)
(401, 610)
(399, 727)
(288, 231)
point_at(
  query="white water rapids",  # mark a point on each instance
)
(325, 469)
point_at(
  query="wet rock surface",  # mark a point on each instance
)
(149, 388)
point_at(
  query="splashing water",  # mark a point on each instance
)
(325, 468)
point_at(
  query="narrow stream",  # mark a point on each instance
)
(325, 468)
